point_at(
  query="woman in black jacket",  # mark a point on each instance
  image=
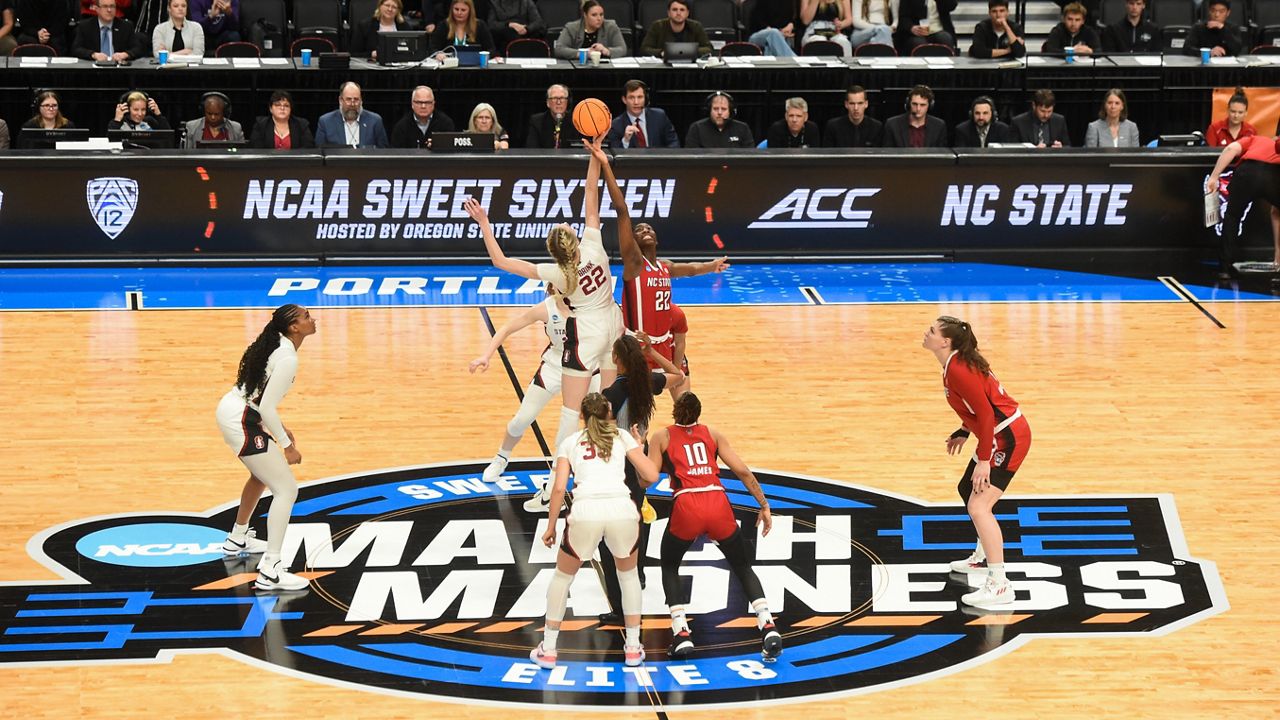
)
(280, 130)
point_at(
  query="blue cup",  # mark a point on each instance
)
(1071, 55)
(1205, 54)
(484, 58)
(306, 57)
(162, 56)
(582, 56)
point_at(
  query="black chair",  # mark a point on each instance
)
(1173, 12)
(358, 11)
(316, 45)
(265, 14)
(237, 49)
(647, 12)
(875, 50)
(1266, 16)
(1175, 38)
(1265, 50)
(933, 50)
(623, 12)
(528, 48)
(557, 13)
(319, 18)
(1114, 10)
(34, 50)
(718, 17)
(731, 49)
(822, 48)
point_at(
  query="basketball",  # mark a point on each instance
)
(592, 118)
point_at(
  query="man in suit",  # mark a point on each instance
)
(106, 37)
(916, 127)
(924, 22)
(641, 126)
(351, 125)
(553, 130)
(1041, 126)
(997, 36)
(415, 128)
(855, 128)
(982, 127)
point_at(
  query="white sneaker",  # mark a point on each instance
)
(975, 563)
(251, 545)
(992, 594)
(632, 655)
(494, 470)
(540, 502)
(278, 577)
(542, 658)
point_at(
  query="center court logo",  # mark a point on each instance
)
(112, 202)
(430, 582)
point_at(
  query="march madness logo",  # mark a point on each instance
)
(429, 582)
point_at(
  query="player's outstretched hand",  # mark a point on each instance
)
(476, 211)
(593, 147)
(720, 264)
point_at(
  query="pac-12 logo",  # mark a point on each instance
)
(112, 202)
(431, 582)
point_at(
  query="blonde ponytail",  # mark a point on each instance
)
(562, 244)
(601, 431)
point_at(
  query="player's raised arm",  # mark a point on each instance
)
(632, 258)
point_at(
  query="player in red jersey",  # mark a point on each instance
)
(1257, 177)
(679, 333)
(1004, 437)
(688, 452)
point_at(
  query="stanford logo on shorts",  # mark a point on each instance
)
(259, 443)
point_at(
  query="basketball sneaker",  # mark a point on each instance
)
(250, 546)
(543, 658)
(975, 563)
(993, 593)
(278, 577)
(771, 643)
(681, 645)
(632, 655)
(540, 502)
(494, 469)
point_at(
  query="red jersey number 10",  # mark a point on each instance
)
(696, 454)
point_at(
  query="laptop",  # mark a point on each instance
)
(680, 52)
(402, 47)
(468, 55)
(461, 142)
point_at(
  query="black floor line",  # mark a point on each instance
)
(1177, 287)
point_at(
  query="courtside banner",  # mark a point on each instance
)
(374, 204)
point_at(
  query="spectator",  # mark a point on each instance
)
(794, 130)
(1073, 33)
(215, 126)
(1041, 126)
(48, 115)
(1222, 133)
(855, 128)
(772, 27)
(280, 129)
(1133, 33)
(592, 32)
(873, 22)
(826, 20)
(997, 36)
(44, 22)
(514, 19)
(924, 22)
(176, 35)
(107, 37)
(484, 119)
(387, 17)
(1113, 128)
(983, 126)
(719, 129)
(138, 111)
(676, 27)
(351, 125)
(1221, 37)
(461, 28)
(415, 128)
(220, 20)
(553, 130)
(641, 126)
(916, 127)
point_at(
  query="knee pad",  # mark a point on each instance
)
(558, 595)
(568, 424)
(629, 583)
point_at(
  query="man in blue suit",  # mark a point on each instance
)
(351, 125)
(641, 126)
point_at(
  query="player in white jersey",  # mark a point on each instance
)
(602, 509)
(251, 426)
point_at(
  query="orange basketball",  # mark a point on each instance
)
(592, 118)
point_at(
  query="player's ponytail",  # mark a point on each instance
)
(600, 429)
(252, 375)
(639, 390)
(963, 342)
(562, 244)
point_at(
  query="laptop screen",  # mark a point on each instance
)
(401, 47)
(468, 55)
(680, 51)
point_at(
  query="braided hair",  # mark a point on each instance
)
(562, 243)
(601, 430)
(963, 342)
(639, 390)
(252, 375)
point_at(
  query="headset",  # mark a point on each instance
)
(35, 99)
(124, 99)
(226, 102)
(921, 90)
(640, 84)
(733, 106)
(984, 100)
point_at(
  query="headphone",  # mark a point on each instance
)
(641, 85)
(984, 100)
(921, 90)
(35, 98)
(124, 99)
(226, 102)
(733, 106)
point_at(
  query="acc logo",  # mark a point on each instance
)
(112, 202)
(817, 208)
(431, 582)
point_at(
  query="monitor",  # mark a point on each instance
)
(47, 139)
(461, 142)
(402, 47)
(1194, 139)
(680, 52)
(155, 139)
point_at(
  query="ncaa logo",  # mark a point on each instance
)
(112, 202)
(430, 582)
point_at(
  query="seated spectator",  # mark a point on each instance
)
(1133, 33)
(997, 36)
(220, 20)
(1113, 128)
(1222, 133)
(387, 17)
(794, 130)
(675, 27)
(772, 27)
(640, 126)
(719, 129)
(484, 119)
(855, 128)
(48, 115)
(1073, 33)
(8, 38)
(826, 20)
(351, 125)
(553, 130)
(1041, 126)
(591, 32)
(983, 126)
(176, 35)
(138, 111)
(1221, 37)
(461, 28)
(44, 22)
(873, 22)
(415, 128)
(924, 22)
(916, 127)
(280, 129)
(88, 8)
(107, 37)
(215, 126)
(514, 19)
